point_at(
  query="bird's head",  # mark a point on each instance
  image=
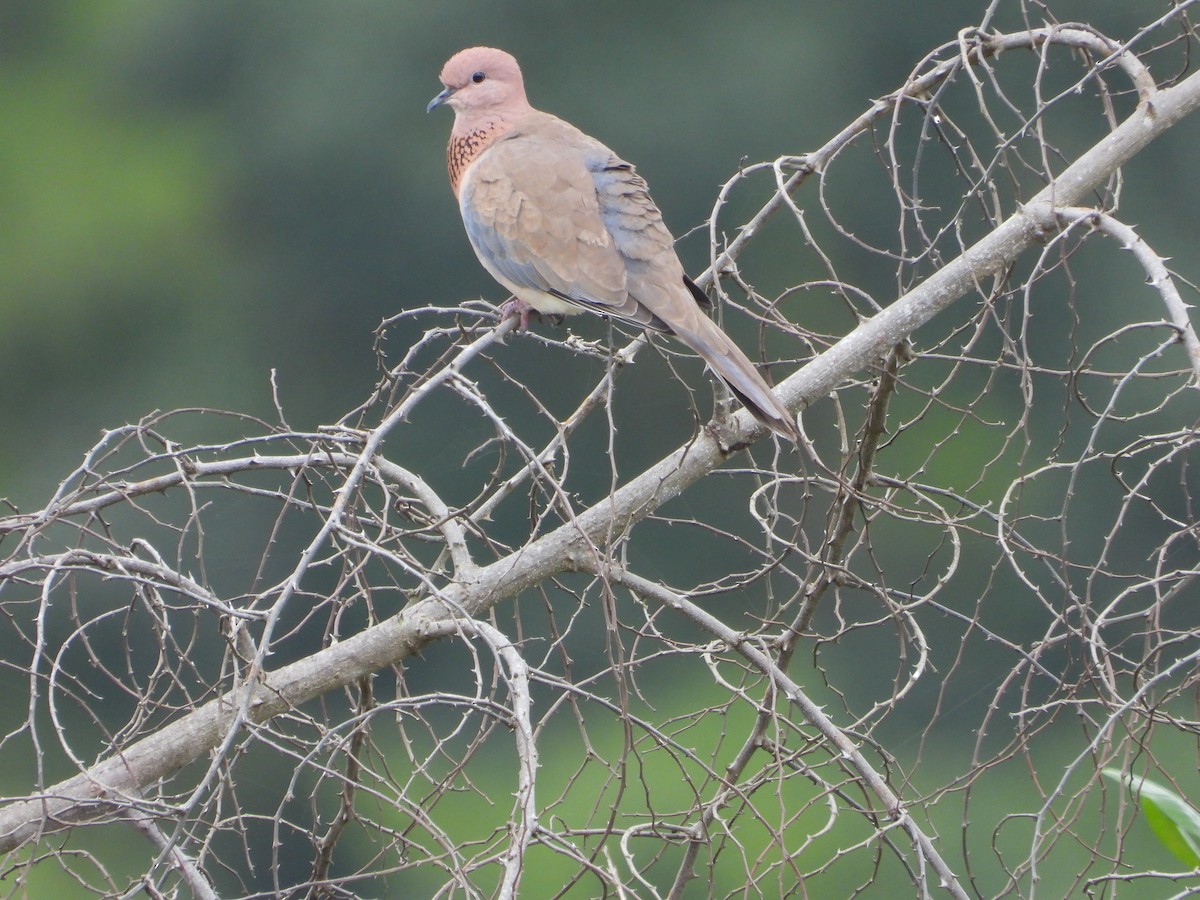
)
(481, 80)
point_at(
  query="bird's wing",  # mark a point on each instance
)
(549, 209)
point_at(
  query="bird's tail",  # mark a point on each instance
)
(730, 363)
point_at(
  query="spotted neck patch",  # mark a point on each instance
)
(463, 149)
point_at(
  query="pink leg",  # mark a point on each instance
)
(515, 306)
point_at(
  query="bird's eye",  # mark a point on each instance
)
(478, 77)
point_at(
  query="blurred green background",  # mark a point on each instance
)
(197, 193)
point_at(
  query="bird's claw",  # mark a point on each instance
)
(515, 306)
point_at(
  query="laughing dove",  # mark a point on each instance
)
(567, 225)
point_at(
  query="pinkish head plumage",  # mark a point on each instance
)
(482, 81)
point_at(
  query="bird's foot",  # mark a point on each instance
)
(515, 306)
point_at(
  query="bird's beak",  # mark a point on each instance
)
(439, 100)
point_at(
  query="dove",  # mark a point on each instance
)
(567, 226)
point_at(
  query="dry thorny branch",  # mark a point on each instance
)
(297, 665)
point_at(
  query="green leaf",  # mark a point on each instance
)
(1173, 820)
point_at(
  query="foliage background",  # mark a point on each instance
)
(195, 193)
(198, 193)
